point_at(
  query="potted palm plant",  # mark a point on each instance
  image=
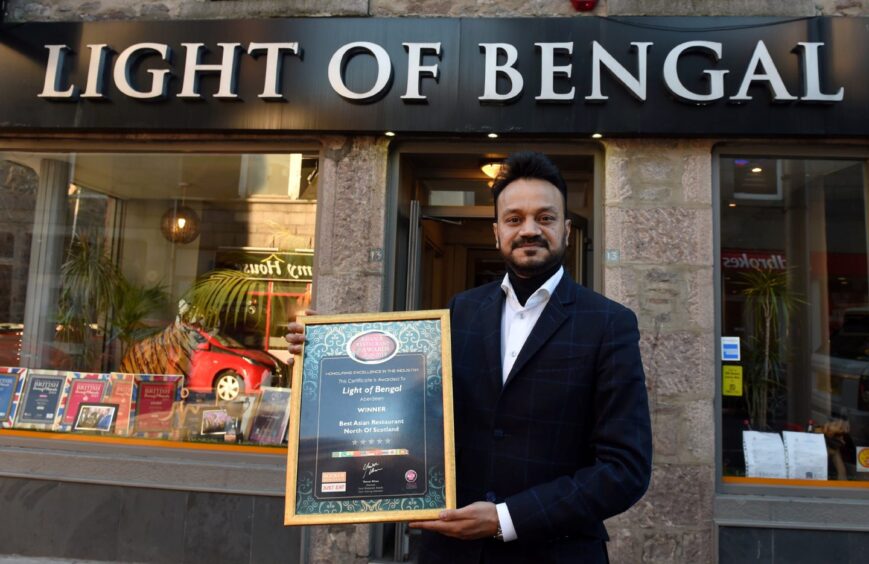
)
(769, 303)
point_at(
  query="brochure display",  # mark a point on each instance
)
(152, 406)
(371, 431)
(11, 382)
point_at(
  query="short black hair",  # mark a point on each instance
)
(528, 164)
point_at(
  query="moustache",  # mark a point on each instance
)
(530, 241)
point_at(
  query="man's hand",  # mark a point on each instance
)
(476, 521)
(296, 337)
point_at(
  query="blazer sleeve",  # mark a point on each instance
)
(621, 440)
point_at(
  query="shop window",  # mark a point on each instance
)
(794, 321)
(145, 296)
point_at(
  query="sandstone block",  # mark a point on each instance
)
(642, 171)
(842, 7)
(697, 175)
(701, 298)
(679, 496)
(353, 185)
(710, 8)
(625, 545)
(660, 235)
(678, 365)
(347, 293)
(476, 8)
(684, 432)
(666, 299)
(339, 544)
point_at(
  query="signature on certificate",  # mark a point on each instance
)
(370, 468)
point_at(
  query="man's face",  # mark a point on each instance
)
(530, 230)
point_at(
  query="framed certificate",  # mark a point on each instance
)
(371, 425)
(120, 392)
(42, 400)
(81, 388)
(269, 424)
(156, 396)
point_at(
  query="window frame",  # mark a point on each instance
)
(153, 464)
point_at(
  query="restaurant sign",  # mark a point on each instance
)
(269, 265)
(701, 76)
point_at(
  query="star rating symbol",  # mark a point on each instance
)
(388, 441)
(379, 442)
(355, 443)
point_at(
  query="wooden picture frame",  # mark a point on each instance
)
(371, 424)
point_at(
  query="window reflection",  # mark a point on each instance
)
(157, 264)
(794, 291)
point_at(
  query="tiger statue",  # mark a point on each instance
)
(168, 352)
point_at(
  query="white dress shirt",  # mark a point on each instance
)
(517, 321)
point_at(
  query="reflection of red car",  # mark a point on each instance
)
(222, 364)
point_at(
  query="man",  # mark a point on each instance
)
(551, 416)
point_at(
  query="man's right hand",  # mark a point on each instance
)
(295, 336)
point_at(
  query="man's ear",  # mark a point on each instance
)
(566, 232)
(495, 231)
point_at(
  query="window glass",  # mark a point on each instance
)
(147, 295)
(795, 319)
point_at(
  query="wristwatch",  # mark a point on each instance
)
(499, 535)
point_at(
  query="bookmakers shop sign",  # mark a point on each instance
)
(691, 76)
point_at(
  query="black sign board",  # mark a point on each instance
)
(568, 76)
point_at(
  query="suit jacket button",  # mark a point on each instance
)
(498, 434)
(491, 497)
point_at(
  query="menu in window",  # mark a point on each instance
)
(764, 455)
(805, 455)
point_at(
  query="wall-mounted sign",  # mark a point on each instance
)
(269, 265)
(700, 76)
(731, 380)
(730, 349)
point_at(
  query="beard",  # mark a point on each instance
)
(549, 264)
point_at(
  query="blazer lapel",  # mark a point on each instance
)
(490, 319)
(553, 315)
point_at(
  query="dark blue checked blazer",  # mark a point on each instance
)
(565, 442)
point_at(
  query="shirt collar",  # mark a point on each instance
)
(544, 292)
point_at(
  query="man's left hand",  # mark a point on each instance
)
(476, 521)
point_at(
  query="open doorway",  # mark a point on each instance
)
(444, 214)
(442, 244)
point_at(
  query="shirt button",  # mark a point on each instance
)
(521, 316)
(513, 354)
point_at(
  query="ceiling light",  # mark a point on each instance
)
(180, 224)
(493, 136)
(491, 168)
(731, 205)
(390, 134)
(597, 136)
(757, 170)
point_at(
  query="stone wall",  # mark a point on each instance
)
(350, 224)
(658, 219)
(88, 10)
